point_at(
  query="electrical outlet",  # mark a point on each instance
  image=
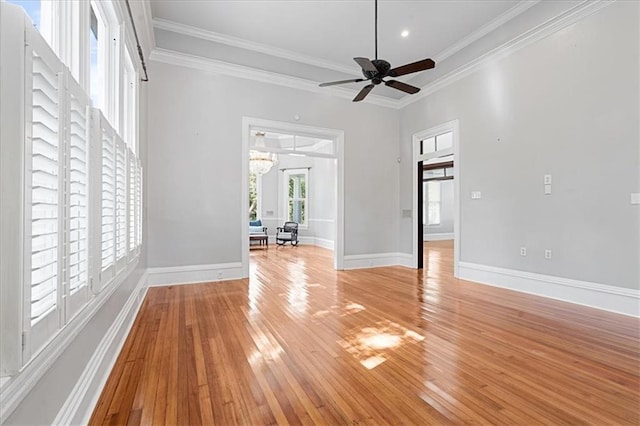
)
(219, 275)
(547, 179)
(476, 195)
(523, 251)
(547, 254)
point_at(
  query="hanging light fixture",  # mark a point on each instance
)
(260, 162)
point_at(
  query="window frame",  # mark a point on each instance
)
(287, 173)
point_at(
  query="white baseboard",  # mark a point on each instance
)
(606, 297)
(312, 241)
(79, 406)
(438, 237)
(360, 261)
(195, 274)
(406, 260)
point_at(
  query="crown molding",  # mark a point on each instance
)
(521, 7)
(543, 30)
(211, 65)
(148, 20)
(228, 40)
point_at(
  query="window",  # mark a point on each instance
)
(95, 76)
(432, 202)
(129, 105)
(296, 190)
(75, 238)
(33, 9)
(443, 142)
(255, 182)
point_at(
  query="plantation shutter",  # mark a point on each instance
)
(121, 206)
(108, 179)
(45, 195)
(78, 184)
(78, 199)
(139, 205)
(132, 202)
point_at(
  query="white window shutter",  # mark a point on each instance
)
(121, 200)
(108, 189)
(45, 190)
(132, 201)
(78, 196)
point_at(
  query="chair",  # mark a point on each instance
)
(257, 232)
(287, 232)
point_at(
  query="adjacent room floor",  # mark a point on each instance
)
(301, 343)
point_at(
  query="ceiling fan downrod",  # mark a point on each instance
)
(376, 31)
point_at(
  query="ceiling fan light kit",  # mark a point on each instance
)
(377, 70)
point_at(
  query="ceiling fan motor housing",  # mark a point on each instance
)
(383, 68)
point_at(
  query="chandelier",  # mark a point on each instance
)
(260, 162)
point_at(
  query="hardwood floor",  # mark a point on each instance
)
(301, 343)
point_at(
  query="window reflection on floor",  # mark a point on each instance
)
(374, 345)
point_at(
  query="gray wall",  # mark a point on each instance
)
(194, 168)
(568, 106)
(322, 195)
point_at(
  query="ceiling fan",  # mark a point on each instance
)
(378, 69)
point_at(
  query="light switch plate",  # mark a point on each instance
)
(635, 198)
(547, 189)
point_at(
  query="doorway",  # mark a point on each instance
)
(436, 191)
(302, 153)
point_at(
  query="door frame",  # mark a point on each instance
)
(451, 126)
(250, 124)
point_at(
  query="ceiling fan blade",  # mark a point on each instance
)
(333, 83)
(363, 93)
(407, 88)
(422, 65)
(366, 64)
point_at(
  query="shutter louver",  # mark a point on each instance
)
(121, 207)
(44, 190)
(78, 184)
(132, 202)
(108, 199)
(139, 205)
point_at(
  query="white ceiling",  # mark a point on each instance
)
(317, 40)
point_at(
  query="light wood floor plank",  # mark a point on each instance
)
(301, 343)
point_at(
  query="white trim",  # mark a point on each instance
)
(600, 296)
(190, 274)
(405, 259)
(228, 40)
(485, 29)
(543, 30)
(240, 71)
(19, 386)
(375, 260)
(313, 241)
(440, 236)
(97, 372)
(322, 220)
(451, 126)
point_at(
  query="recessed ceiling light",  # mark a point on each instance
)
(405, 33)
